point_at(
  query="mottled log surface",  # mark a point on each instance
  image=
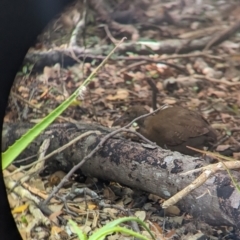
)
(152, 170)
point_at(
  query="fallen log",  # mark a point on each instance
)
(157, 171)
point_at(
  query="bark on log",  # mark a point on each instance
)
(129, 163)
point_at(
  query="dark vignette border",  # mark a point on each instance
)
(20, 23)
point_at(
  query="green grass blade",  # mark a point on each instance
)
(116, 222)
(104, 232)
(13, 151)
(81, 235)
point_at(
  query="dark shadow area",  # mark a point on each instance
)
(21, 22)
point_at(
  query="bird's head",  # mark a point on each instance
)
(131, 113)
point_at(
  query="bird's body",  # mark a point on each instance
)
(173, 128)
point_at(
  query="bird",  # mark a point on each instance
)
(172, 128)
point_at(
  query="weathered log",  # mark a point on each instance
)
(50, 58)
(152, 170)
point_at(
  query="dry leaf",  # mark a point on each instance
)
(172, 210)
(153, 197)
(236, 155)
(221, 148)
(54, 215)
(55, 230)
(141, 215)
(12, 201)
(154, 226)
(170, 234)
(120, 95)
(99, 91)
(56, 207)
(219, 94)
(24, 234)
(23, 89)
(169, 101)
(92, 206)
(20, 209)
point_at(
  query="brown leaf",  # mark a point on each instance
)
(236, 155)
(221, 148)
(219, 94)
(121, 94)
(169, 101)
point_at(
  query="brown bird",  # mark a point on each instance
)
(172, 128)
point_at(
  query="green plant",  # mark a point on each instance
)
(112, 227)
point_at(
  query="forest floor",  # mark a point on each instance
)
(188, 49)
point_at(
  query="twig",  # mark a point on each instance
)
(118, 207)
(148, 59)
(80, 25)
(189, 55)
(221, 140)
(154, 92)
(133, 65)
(223, 35)
(195, 184)
(114, 41)
(219, 81)
(208, 171)
(230, 165)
